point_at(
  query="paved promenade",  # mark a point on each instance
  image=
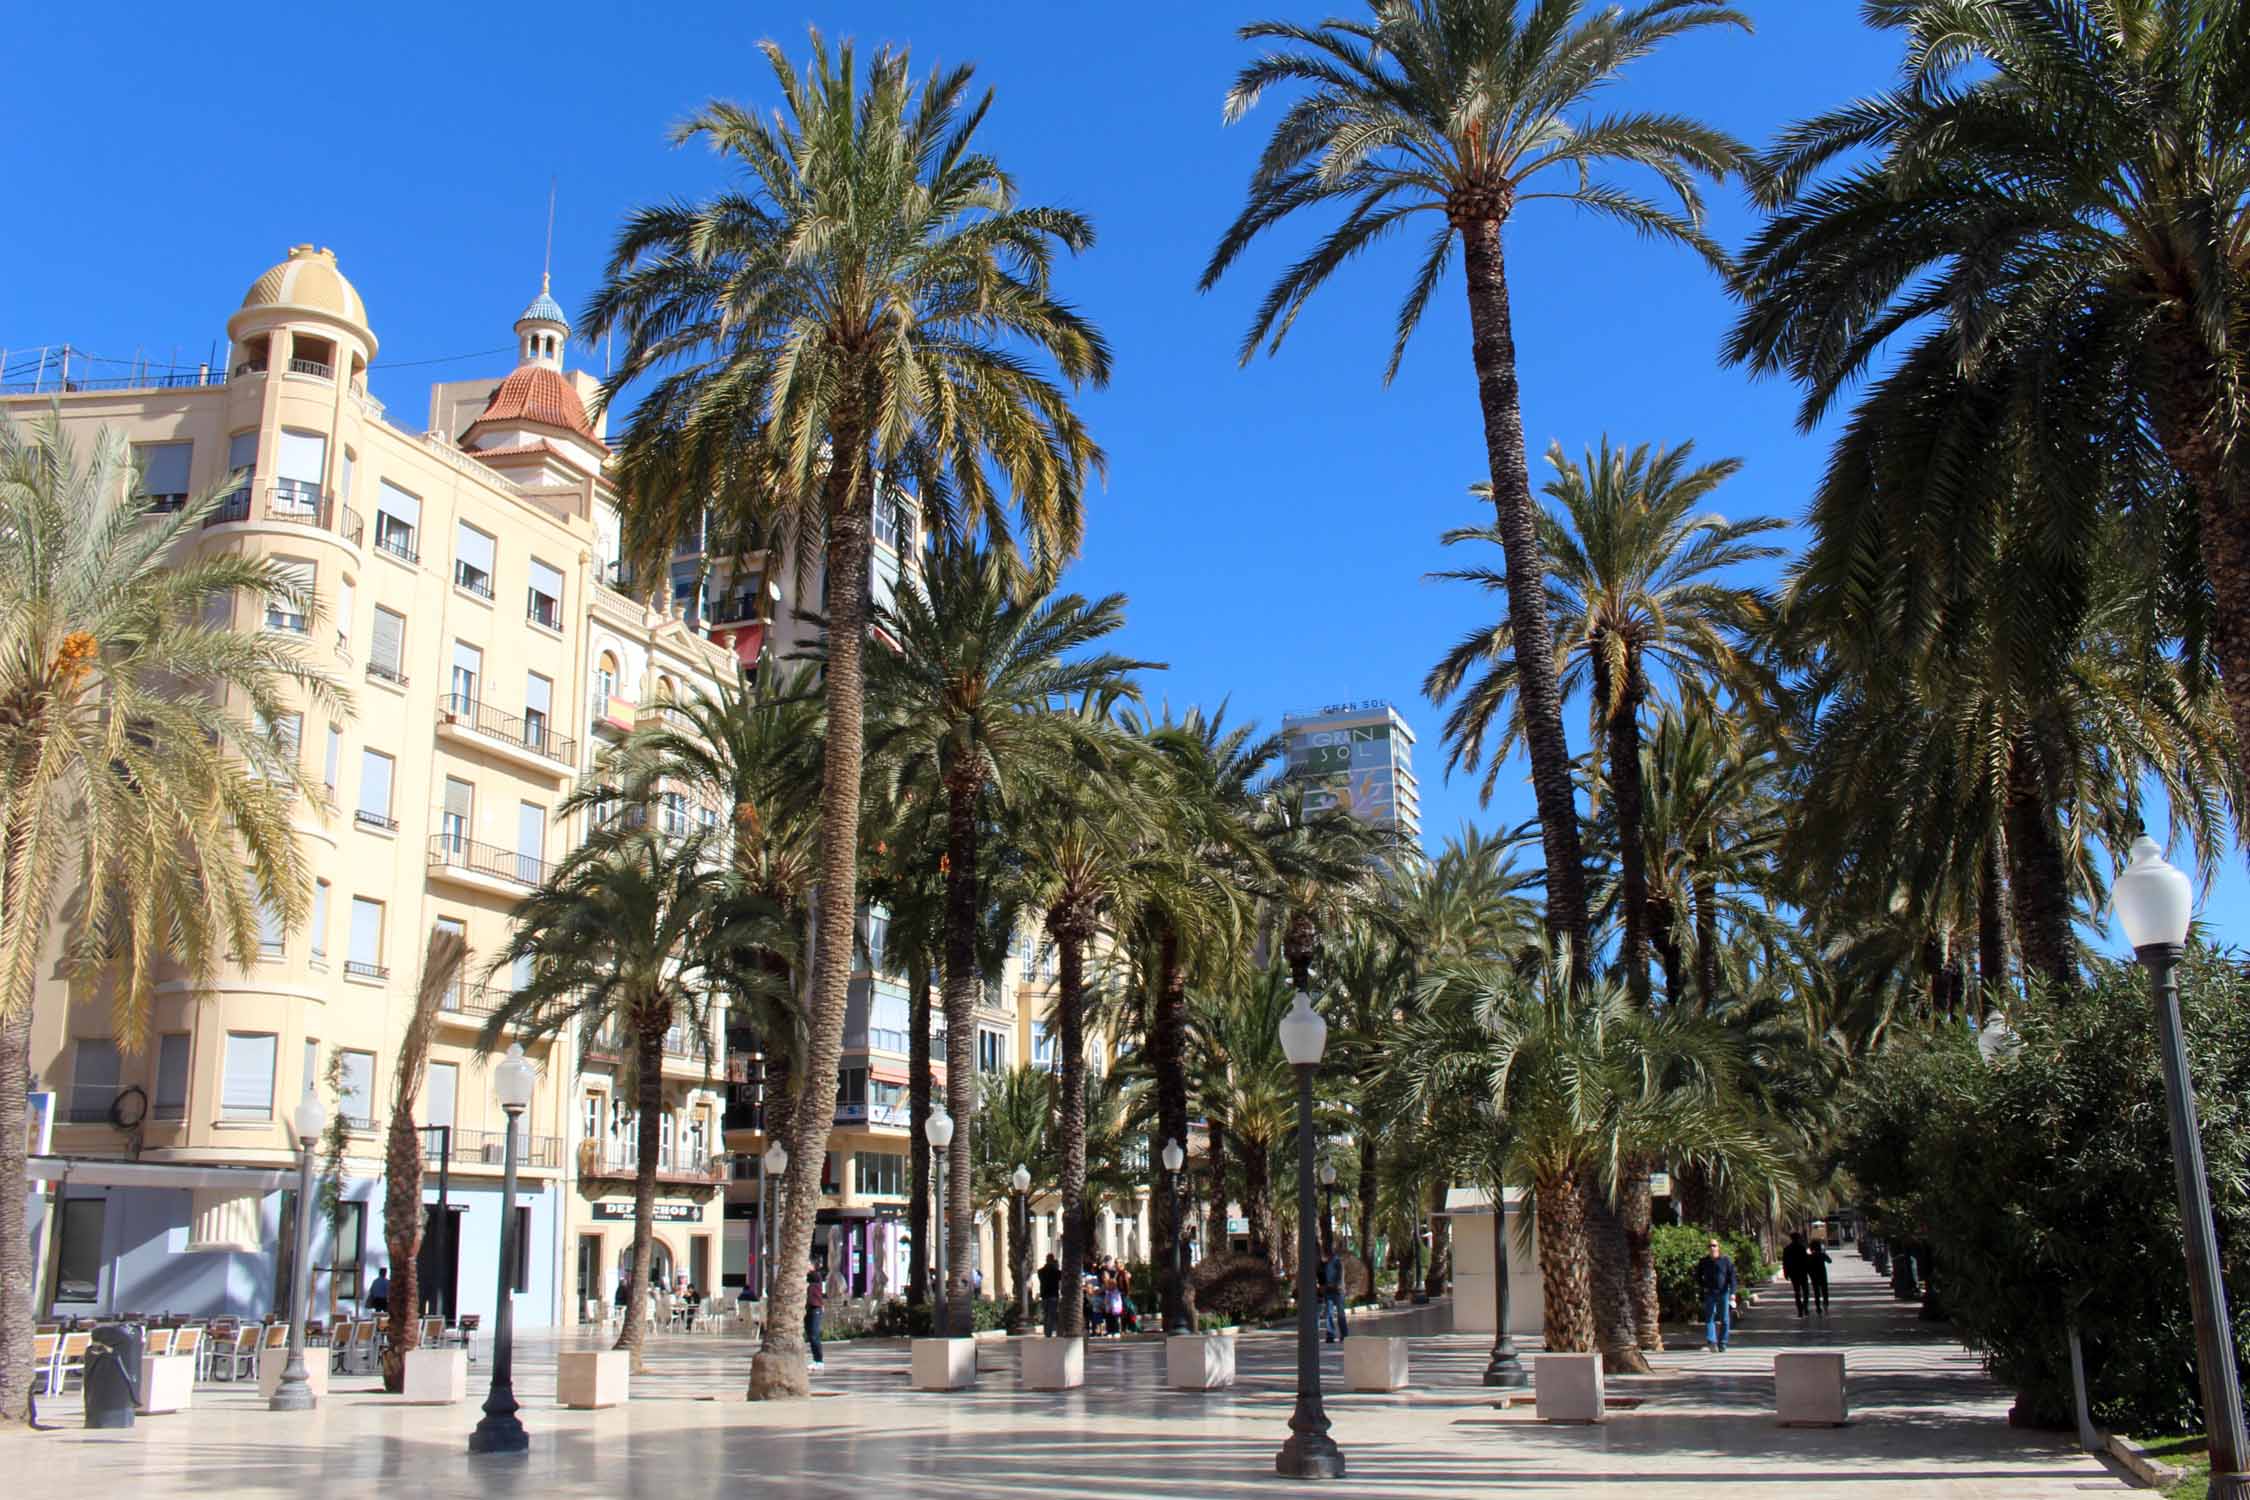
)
(1925, 1423)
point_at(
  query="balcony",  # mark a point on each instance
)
(284, 502)
(396, 538)
(383, 671)
(472, 580)
(490, 1147)
(530, 742)
(620, 1160)
(613, 714)
(312, 367)
(368, 817)
(737, 609)
(358, 970)
(484, 867)
(471, 1004)
(255, 365)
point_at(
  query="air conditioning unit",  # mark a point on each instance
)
(495, 1152)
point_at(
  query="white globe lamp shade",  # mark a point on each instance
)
(2152, 898)
(309, 1118)
(515, 1079)
(1174, 1157)
(1327, 1174)
(1304, 1035)
(1997, 1040)
(777, 1159)
(939, 1128)
(1022, 1179)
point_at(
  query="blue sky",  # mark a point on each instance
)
(1272, 525)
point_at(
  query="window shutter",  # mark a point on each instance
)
(164, 467)
(345, 594)
(443, 1082)
(475, 548)
(375, 783)
(247, 1090)
(172, 1075)
(546, 580)
(367, 931)
(396, 502)
(358, 1101)
(242, 452)
(460, 797)
(303, 458)
(538, 694)
(332, 762)
(320, 920)
(389, 649)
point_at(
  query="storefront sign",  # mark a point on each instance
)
(660, 1212)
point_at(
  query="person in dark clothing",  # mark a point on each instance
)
(816, 1302)
(379, 1294)
(1796, 1264)
(1816, 1270)
(1331, 1279)
(1714, 1278)
(1050, 1297)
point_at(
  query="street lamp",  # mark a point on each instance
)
(1021, 1181)
(937, 1127)
(1176, 1304)
(500, 1432)
(1503, 1369)
(1328, 1204)
(773, 1167)
(2153, 906)
(1310, 1452)
(294, 1392)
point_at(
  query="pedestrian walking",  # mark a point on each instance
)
(1796, 1264)
(1050, 1296)
(816, 1302)
(1333, 1327)
(1816, 1266)
(1714, 1278)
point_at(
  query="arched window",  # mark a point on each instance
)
(605, 678)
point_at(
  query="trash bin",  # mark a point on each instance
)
(113, 1376)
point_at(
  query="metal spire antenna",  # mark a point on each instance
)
(547, 261)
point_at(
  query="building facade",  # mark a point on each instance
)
(462, 572)
(1358, 756)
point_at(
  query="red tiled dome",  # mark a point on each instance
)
(535, 393)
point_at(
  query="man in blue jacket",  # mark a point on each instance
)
(1714, 1277)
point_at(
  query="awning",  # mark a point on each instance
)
(95, 1171)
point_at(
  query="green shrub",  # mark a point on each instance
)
(1240, 1288)
(1678, 1247)
(899, 1319)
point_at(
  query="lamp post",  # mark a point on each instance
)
(1176, 1305)
(1328, 1206)
(937, 1128)
(1310, 1452)
(294, 1392)
(2153, 906)
(1021, 1181)
(1503, 1369)
(775, 1166)
(500, 1432)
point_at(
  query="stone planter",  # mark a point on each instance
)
(270, 1362)
(592, 1380)
(1568, 1387)
(1054, 1364)
(1199, 1361)
(167, 1383)
(1375, 1364)
(1808, 1388)
(436, 1377)
(945, 1364)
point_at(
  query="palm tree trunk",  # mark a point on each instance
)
(1168, 1055)
(779, 1367)
(16, 1270)
(917, 1113)
(1493, 346)
(1992, 932)
(1667, 945)
(1215, 1212)
(1624, 734)
(1636, 1210)
(962, 982)
(1609, 1268)
(1707, 939)
(402, 1236)
(650, 1066)
(2041, 879)
(1441, 1243)
(1257, 1196)
(1565, 1282)
(1367, 1202)
(1070, 1003)
(2184, 404)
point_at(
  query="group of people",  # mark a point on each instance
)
(1804, 1263)
(1107, 1292)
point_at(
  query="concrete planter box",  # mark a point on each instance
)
(167, 1383)
(1568, 1387)
(593, 1379)
(945, 1364)
(1375, 1364)
(1808, 1388)
(270, 1362)
(1199, 1361)
(1054, 1364)
(436, 1377)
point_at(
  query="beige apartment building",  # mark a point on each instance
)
(464, 571)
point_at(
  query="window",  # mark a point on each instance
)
(531, 843)
(346, 592)
(468, 674)
(320, 919)
(286, 611)
(851, 1087)
(242, 458)
(878, 939)
(270, 931)
(472, 561)
(164, 473)
(388, 658)
(605, 681)
(452, 1000)
(546, 595)
(93, 1079)
(375, 790)
(331, 762)
(355, 1099)
(345, 492)
(345, 1245)
(299, 470)
(889, 520)
(992, 1051)
(1044, 1051)
(519, 977)
(878, 1174)
(440, 1089)
(664, 1144)
(282, 736)
(171, 1076)
(79, 1257)
(246, 1087)
(538, 707)
(398, 522)
(312, 1066)
(366, 956)
(460, 802)
(590, 1117)
(672, 818)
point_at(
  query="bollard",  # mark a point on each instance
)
(113, 1359)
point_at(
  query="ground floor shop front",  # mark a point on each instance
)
(685, 1236)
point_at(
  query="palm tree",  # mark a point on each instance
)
(631, 937)
(963, 709)
(1246, 1086)
(2052, 201)
(856, 313)
(141, 769)
(1017, 1107)
(403, 1213)
(1464, 110)
(1636, 604)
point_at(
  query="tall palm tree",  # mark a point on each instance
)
(1017, 1107)
(632, 936)
(857, 312)
(1463, 110)
(1245, 1084)
(2054, 199)
(963, 710)
(403, 1214)
(1637, 604)
(140, 771)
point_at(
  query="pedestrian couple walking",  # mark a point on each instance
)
(1806, 1266)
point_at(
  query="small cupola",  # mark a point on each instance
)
(542, 330)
